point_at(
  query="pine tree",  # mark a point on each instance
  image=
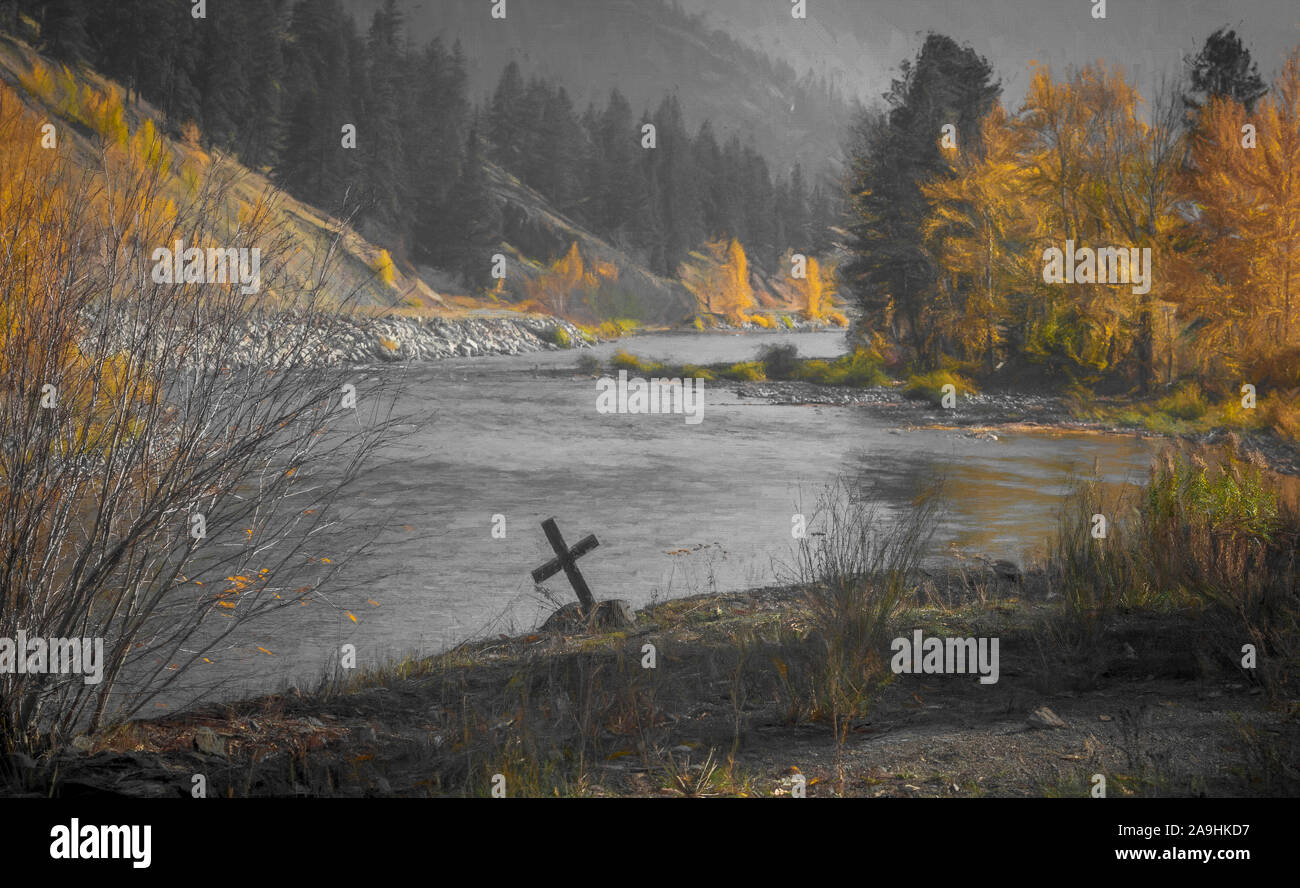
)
(63, 29)
(384, 163)
(436, 134)
(621, 186)
(471, 220)
(261, 131)
(326, 71)
(507, 124)
(1223, 69)
(677, 199)
(796, 214)
(890, 272)
(221, 76)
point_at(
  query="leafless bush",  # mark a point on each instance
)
(131, 423)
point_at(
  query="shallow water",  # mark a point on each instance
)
(678, 508)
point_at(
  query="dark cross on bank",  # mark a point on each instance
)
(566, 560)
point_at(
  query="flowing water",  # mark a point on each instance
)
(678, 508)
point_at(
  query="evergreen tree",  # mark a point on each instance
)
(708, 165)
(796, 213)
(759, 208)
(221, 76)
(471, 220)
(1223, 69)
(675, 189)
(436, 133)
(63, 29)
(890, 271)
(386, 185)
(623, 193)
(507, 123)
(262, 132)
(325, 70)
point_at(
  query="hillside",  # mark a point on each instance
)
(646, 50)
(535, 233)
(354, 280)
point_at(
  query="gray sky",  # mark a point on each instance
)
(864, 40)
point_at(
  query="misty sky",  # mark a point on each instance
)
(866, 39)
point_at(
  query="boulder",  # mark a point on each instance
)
(1042, 717)
(607, 615)
(208, 742)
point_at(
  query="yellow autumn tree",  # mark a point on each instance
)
(718, 277)
(42, 216)
(814, 293)
(981, 231)
(570, 279)
(1104, 177)
(1241, 288)
(384, 269)
(132, 404)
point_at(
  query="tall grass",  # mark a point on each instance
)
(1208, 532)
(929, 386)
(857, 568)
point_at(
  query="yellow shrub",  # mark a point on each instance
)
(384, 269)
(746, 371)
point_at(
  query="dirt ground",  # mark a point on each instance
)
(1154, 704)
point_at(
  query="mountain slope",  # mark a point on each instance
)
(535, 234)
(646, 49)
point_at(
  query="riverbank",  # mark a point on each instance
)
(1142, 700)
(1161, 655)
(291, 339)
(985, 414)
(325, 338)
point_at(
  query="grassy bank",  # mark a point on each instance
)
(1271, 422)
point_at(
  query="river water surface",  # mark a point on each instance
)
(678, 508)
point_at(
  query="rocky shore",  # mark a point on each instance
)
(333, 340)
(297, 340)
(983, 415)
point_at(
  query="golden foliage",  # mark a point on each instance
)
(570, 278)
(384, 269)
(814, 293)
(103, 112)
(44, 216)
(718, 277)
(1241, 283)
(982, 226)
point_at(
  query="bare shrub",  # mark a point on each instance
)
(130, 411)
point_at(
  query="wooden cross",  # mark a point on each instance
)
(566, 560)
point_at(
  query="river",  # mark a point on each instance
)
(678, 508)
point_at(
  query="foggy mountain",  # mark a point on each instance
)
(646, 49)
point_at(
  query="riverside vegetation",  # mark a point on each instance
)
(1125, 656)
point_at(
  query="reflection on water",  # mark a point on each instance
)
(678, 508)
(1004, 496)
